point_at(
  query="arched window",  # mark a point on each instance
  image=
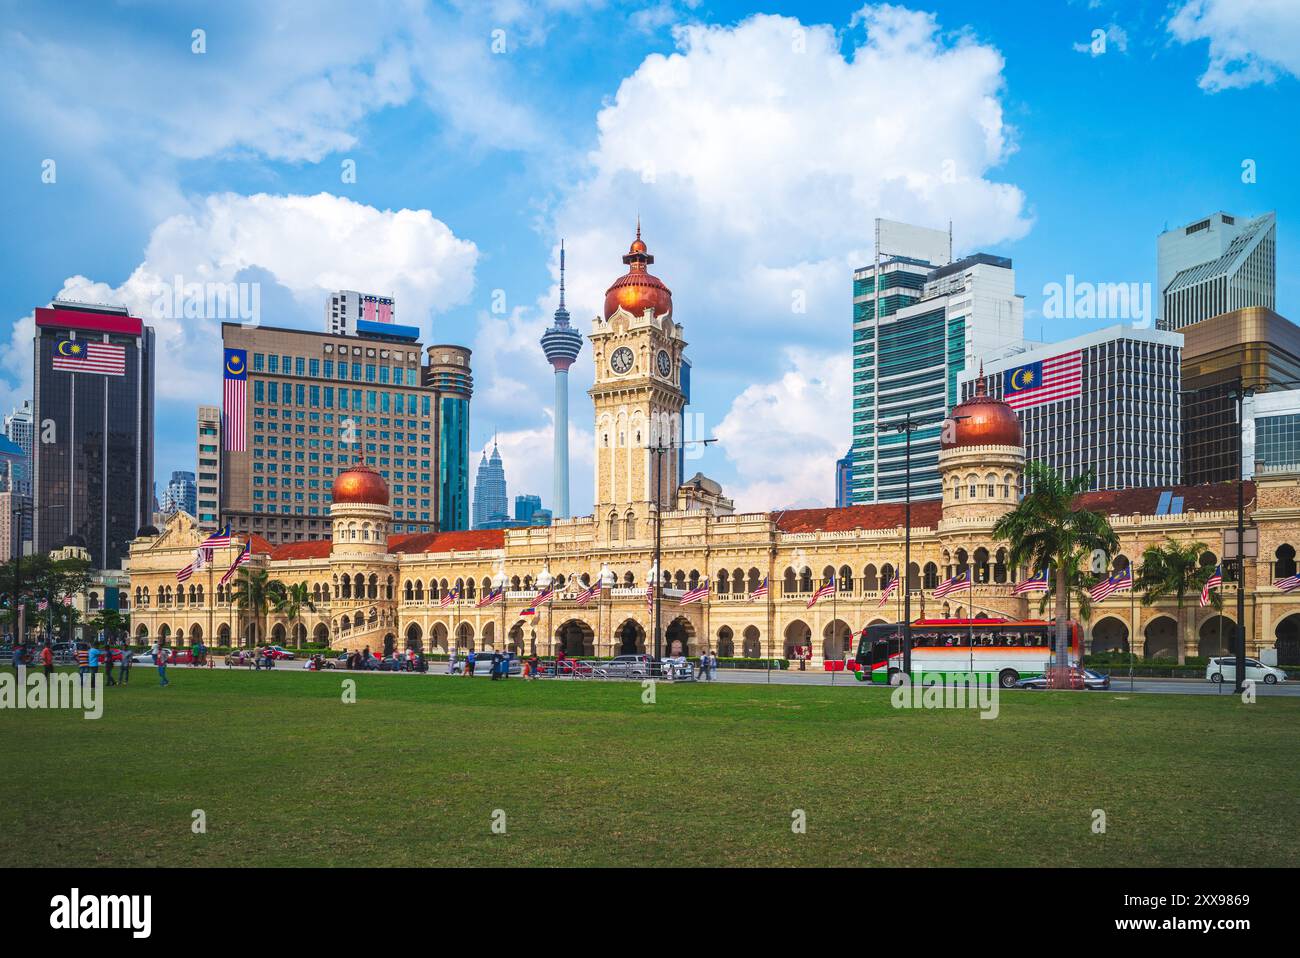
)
(789, 582)
(844, 580)
(930, 577)
(629, 526)
(1283, 566)
(613, 526)
(805, 580)
(870, 582)
(724, 582)
(991, 482)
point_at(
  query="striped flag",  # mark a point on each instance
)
(1047, 380)
(759, 592)
(1289, 584)
(67, 600)
(955, 584)
(186, 572)
(1116, 583)
(218, 540)
(1213, 582)
(1037, 583)
(86, 356)
(245, 555)
(234, 400)
(546, 595)
(589, 593)
(695, 595)
(827, 589)
(889, 591)
(492, 595)
(451, 598)
(42, 605)
(649, 598)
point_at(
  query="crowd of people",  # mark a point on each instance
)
(90, 657)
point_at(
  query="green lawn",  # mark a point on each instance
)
(586, 774)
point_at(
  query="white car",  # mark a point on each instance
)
(1224, 669)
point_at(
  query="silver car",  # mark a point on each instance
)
(626, 667)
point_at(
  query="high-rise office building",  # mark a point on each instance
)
(1272, 439)
(207, 445)
(525, 506)
(20, 429)
(844, 480)
(1105, 403)
(914, 332)
(94, 382)
(14, 506)
(311, 404)
(491, 504)
(181, 493)
(448, 374)
(1216, 265)
(348, 313)
(561, 343)
(1252, 348)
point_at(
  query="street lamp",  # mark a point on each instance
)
(657, 451)
(907, 426)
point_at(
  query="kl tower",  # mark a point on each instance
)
(561, 343)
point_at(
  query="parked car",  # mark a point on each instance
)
(276, 652)
(483, 663)
(1079, 678)
(1224, 669)
(566, 667)
(174, 657)
(239, 658)
(627, 667)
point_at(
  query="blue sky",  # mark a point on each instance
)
(756, 144)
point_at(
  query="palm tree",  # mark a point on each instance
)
(256, 592)
(1175, 570)
(290, 604)
(1047, 530)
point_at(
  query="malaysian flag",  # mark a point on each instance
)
(1037, 583)
(649, 598)
(589, 593)
(889, 591)
(1213, 582)
(492, 595)
(85, 356)
(451, 597)
(827, 589)
(695, 595)
(67, 600)
(759, 592)
(245, 555)
(218, 540)
(186, 572)
(955, 584)
(234, 400)
(1118, 582)
(1047, 380)
(546, 595)
(1289, 584)
(42, 605)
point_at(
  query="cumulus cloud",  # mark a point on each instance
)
(292, 250)
(758, 156)
(1251, 41)
(780, 438)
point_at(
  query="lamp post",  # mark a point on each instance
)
(656, 453)
(907, 425)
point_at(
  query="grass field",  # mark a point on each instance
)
(588, 775)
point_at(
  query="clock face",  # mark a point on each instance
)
(621, 361)
(665, 363)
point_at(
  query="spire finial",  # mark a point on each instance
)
(561, 274)
(638, 226)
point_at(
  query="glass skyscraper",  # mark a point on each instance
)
(448, 375)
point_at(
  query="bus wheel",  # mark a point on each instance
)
(1008, 678)
(895, 677)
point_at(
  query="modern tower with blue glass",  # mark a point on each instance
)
(561, 343)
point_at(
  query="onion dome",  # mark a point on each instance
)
(984, 421)
(638, 290)
(362, 485)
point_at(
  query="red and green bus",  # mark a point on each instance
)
(993, 650)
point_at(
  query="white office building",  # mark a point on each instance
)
(1215, 265)
(1106, 402)
(1272, 431)
(345, 308)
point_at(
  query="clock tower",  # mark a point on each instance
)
(637, 351)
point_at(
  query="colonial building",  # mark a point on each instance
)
(372, 587)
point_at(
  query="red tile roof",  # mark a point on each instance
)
(464, 540)
(311, 549)
(885, 515)
(1207, 498)
(260, 545)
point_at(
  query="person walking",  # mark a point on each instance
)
(496, 665)
(108, 664)
(160, 660)
(453, 662)
(470, 661)
(124, 670)
(93, 655)
(83, 664)
(47, 659)
(713, 665)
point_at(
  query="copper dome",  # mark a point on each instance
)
(638, 290)
(361, 484)
(983, 421)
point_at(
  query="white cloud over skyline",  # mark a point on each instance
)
(1250, 41)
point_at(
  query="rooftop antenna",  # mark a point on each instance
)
(562, 273)
(950, 241)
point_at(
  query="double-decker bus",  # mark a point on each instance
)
(1000, 650)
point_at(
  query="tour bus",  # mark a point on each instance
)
(1001, 650)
